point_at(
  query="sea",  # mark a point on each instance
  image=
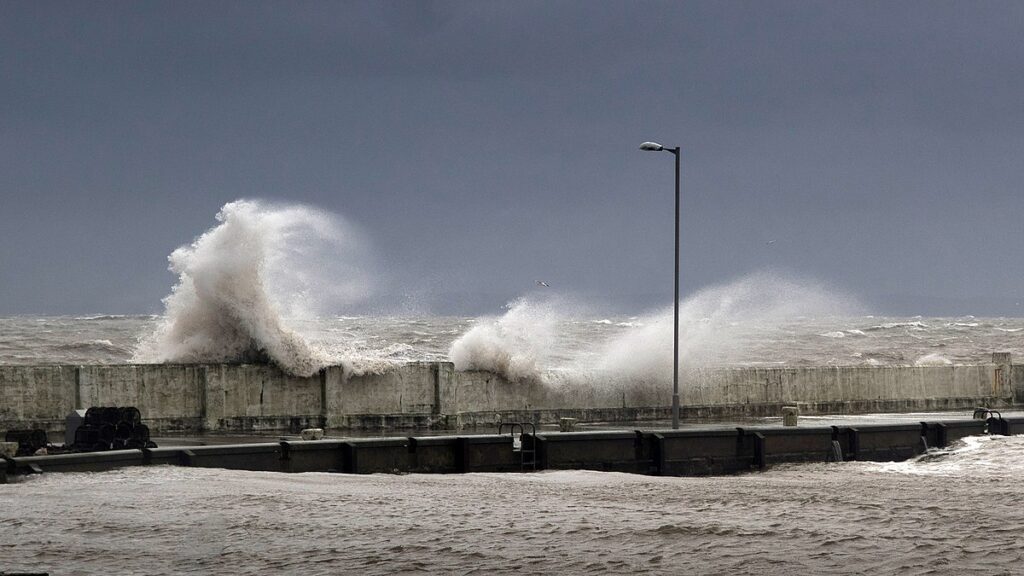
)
(950, 512)
(554, 345)
(283, 285)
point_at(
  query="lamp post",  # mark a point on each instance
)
(655, 147)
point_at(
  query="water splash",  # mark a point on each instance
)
(514, 345)
(720, 325)
(240, 281)
(725, 324)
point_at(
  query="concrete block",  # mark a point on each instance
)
(259, 456)
(8, 449)
(314, 456)
(261, 397)
(36, 396)
(608, 451)
(72, 421)
(405, 389)
(701, 452)
(434, 454)
(885, 443)
(789, 415)
(313, 434)
(487, 453)
(944, 433)
(376, 455)
(779, 445)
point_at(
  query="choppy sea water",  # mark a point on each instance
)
(567, 342)
(954, 512)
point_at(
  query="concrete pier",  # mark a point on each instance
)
(695, 452)
(259, 398)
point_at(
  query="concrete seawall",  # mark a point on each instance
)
(693, 452)
(250, 398)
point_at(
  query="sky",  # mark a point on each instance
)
(875, 147)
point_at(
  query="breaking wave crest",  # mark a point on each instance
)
(240, 281)
(514, 345)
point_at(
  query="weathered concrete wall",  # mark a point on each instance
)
(253, 398)
(36, 396)
(1017, 383)
(168, 397)
(845, 383)
(406, 396)
(247, 398)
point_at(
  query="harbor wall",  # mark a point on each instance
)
(254, 398)
(692, 452)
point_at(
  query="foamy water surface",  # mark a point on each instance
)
(956, 512)
(571, 342)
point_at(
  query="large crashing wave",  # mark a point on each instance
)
(240, 281)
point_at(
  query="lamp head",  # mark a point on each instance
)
(652, 147)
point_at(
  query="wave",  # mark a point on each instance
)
(513, 345)
(99, 345)
(915, 325)
(721, 325)
(933, 360)
(718, 325)
(241, 281)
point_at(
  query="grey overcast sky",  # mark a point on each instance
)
(485, 144)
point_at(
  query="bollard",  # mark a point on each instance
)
(312, 433)
(789, 415)
(567, 424)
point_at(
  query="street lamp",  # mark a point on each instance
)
(655, 147)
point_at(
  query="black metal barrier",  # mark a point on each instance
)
(608, 451)
(694, 452)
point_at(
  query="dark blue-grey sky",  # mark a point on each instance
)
(483, 145)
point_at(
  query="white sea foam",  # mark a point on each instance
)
(933, 360)
(514, 345)
(912, 325)
(241, 281)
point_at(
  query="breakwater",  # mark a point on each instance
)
(255, 398)
(695, 452)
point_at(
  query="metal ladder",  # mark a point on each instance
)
(527, 456)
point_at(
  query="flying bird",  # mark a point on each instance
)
(542, 283)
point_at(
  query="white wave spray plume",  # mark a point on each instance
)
(241, 281)
(514, 345)
(720, 325)
(723, 325)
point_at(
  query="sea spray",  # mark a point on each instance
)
(727, 324)
(240, 282)
(514, 345)
(723, 325)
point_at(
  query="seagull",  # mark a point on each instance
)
(770, 242)
(542, 283)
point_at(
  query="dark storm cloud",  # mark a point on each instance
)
(488, 144)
